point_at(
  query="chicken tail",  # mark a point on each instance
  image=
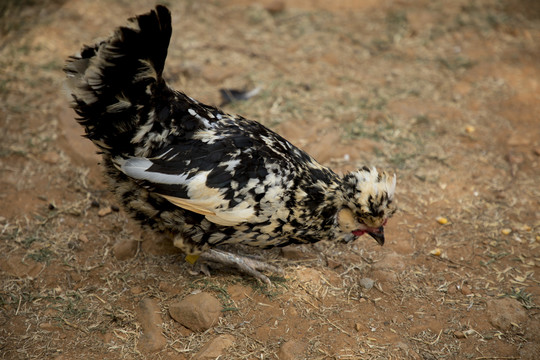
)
(112, 84)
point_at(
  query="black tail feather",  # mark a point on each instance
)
(113, 81)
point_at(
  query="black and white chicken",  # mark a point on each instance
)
(204, 177)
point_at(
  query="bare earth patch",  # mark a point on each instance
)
(446, 94)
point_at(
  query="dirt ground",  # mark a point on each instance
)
(444, 93)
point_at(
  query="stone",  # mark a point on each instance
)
(104, 211)
(367, 283)
(152, 339)
(292, 350)
(502, 313)
(215, 348)
(197, 312)
(275, 6)
(125, 249)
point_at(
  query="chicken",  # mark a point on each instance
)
(203, 177)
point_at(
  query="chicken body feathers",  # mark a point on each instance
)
(190, 170)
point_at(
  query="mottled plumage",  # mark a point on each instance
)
(202, 176)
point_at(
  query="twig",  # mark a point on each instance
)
(426, 342)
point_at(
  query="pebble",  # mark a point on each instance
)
(149, 317)
(367, 283)
(460, 334)
(125, 249)
(215, 348)
(292, 350)
(105, 211)
(275, 6)
(466, 290)
(503, 312)
(197, 312)
(51, 157)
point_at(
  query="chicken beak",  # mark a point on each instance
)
(378, 235)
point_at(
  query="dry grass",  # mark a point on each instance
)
(399, 88)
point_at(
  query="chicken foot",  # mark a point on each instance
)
(244, 264)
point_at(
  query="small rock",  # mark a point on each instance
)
(136, 290)
(105, 211)
(460, 334)
(465, 290)
(149, 316)
(197, 312)
(215, 348)
(124, 250)
(51, 157)
(367, 283)
(503, 312)
(275, 6)
(83, 238)
(292, 350)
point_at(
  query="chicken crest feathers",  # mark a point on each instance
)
(370, 191)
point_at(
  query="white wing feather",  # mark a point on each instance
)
(201, 199)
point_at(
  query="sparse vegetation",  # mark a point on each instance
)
(445, 94)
